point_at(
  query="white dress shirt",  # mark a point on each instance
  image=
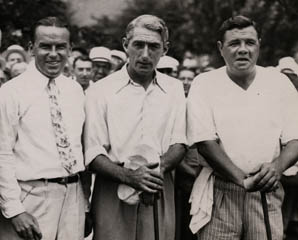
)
(121, 114)
(28, 148)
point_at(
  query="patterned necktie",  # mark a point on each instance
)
(62, 141)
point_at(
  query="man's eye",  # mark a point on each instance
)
(61, 47)
(155, 46)
(233, 44)
(251, 43)
(44, 47)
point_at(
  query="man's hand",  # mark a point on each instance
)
(264, 178)
(26, 226)
(145, 178)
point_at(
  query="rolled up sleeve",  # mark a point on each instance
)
(200, 121)
(10, 190)
(179, 129)
(290, 112)
(96, 137)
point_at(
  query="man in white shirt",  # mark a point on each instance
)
(134, 137)
(41, 120)
(243, 120)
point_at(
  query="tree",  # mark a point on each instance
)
(18, 16)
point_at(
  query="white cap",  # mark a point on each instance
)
(119, 54)
(167, 62)
(100, 54)
(16, 48)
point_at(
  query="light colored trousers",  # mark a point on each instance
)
(59, 210)
(238, 215)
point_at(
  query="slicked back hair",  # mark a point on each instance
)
(82, 58)
(149, 22)
(237, 22)
(48, 22)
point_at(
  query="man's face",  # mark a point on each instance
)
(101, 70)
(13, 58)
(240, 50)
(83, 72)
(144, 50)
(51, 50)
(186, 76)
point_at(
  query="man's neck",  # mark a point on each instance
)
(143, 80)
(243, 80)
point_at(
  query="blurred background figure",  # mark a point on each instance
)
(102, 62)
(17, 69)
(15, 54)
(168, 65)
(82, 66)
(119, 58)
(3, 77)
(75, 52)
(289, 67)
(186, 75)
(191, 63)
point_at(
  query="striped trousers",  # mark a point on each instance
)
(238, 215)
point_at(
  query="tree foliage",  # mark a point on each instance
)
(18, 16)
(192, 23)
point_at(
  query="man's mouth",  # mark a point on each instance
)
(242, 59)
(53, 63)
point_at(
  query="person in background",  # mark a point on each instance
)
(186, 76)
(119, 58)
(83, 71)
(242, 118)
(3, 77)
(102, 62)
(41, 122)
(134, 138)
(15, 54)
(18, 68)
(168, 65)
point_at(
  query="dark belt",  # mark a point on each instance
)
(63, 180)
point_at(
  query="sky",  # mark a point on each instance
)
(85, 9)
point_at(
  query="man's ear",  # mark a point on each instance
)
(30, 48)
(219, 46)
(166, 48)
(125, 44)
(69, 50)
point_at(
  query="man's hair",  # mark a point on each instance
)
(82, 58)
(48, 22)
(82, 50)
(149, 22)
(238, 22)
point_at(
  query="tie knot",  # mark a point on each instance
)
(51, 81)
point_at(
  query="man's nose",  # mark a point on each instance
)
(243, 48)
(53, 51)
(145, 52)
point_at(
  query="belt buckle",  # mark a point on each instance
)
(64, 180)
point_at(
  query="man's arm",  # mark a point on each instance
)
(220, 161)
(25, 224)
(144, 178)
(172, 157)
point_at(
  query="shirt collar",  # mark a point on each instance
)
(126, 80)
(36, 78)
